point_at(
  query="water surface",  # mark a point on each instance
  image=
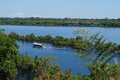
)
(65, 57)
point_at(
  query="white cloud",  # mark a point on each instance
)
(15, 14)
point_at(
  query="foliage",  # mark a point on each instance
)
(12, 63)
(95, 49)
(81, 33)
(60, 22)
(100, 55)
(76, 43)
(8, 57)
(25, 63)
(44, 71)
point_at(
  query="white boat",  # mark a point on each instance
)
(38, 45)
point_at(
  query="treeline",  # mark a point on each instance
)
(35, 21)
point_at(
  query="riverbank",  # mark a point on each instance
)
(114, 23)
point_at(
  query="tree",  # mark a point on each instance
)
(8, 57)
(99, 62)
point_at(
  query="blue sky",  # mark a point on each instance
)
(60, 8)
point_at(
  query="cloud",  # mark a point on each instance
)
(15, 14)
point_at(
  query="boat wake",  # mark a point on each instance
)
(65, 49)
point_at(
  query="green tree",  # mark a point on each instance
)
(99, 66)
(8, 57)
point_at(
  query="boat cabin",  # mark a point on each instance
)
(38, 45)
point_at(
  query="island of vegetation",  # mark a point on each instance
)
(79, 43)
(36, 21)
(12, 63)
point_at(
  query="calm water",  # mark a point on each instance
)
(65, 57)
(111, 34)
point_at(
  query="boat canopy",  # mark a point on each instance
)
(39, 44)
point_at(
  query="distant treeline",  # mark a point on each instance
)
(35, 21)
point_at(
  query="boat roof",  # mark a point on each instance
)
(37, 43)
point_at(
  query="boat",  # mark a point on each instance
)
(38, 45)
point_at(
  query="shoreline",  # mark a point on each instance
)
(61, 26)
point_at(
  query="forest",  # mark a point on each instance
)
(36, 21)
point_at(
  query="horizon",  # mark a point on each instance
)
(80, 9)
(59, 18)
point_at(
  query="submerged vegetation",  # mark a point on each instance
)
(35, 21)
(12, 63)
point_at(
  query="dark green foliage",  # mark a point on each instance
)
(60, 22)
(25, 63)
(30, 37)
(14, 35)
(8, 57)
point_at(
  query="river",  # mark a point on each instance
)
(65, 57)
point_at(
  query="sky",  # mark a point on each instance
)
(60, 8)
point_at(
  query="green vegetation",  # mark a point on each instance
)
(8, 57)
(100, 68)
(76, 43)
(60, 22)
(13, 64)
(80, 42)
